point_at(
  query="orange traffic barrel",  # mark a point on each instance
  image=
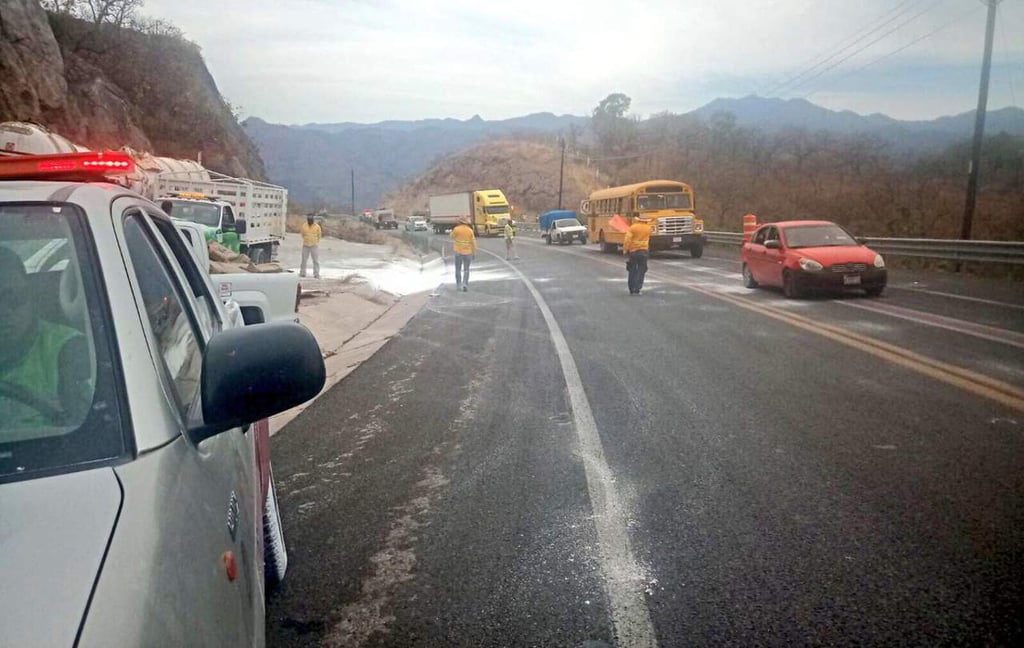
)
(749, 225)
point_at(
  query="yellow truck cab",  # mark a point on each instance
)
(491, 210)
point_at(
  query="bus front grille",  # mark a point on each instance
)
(675, 225)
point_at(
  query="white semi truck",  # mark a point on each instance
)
(486, 209)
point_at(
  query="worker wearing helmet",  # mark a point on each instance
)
(464, 242)
(636, 247)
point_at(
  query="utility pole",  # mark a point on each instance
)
(979, 124)
(561, 171)
(353, 193)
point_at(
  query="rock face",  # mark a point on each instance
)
(31, 65)
(106, 87)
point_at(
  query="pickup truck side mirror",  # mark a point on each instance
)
(251, 373)
(240, 226)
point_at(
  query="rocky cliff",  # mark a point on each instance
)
(106, 87)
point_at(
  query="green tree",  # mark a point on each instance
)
(615, 132)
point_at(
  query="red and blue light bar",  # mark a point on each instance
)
(89, 166)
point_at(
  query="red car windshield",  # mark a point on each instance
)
(805, 236)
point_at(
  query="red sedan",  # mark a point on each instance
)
(800, 256)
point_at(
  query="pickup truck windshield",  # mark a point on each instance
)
(197, 212)
(566, 222)
(663, 201)
(58, 402)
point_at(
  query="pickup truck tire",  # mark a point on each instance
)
(275, 553)
(258, 255)
(547, 238)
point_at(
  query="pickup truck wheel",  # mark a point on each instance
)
(275, 553)
(258, 255)
(548, 239)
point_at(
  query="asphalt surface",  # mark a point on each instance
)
(823, 471)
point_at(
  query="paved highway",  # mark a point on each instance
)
(548, 461)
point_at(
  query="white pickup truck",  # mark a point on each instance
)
(137, 501)
(259, 298)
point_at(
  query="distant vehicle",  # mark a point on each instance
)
(667, 203)
(561, 226)
(149, 448)
(416, 225)
(799, 256)
(384, 219)
(486, 209)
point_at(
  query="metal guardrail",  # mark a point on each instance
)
(1011, 252)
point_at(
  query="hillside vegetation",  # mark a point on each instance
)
(872, 185)
(526, 171)
(856, 180)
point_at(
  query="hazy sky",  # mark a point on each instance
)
(297, 61)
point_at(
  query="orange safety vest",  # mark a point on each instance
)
(638, 237)
(465, 239)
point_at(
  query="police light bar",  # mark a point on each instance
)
(90, 166)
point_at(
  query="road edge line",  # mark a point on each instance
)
(622, 574)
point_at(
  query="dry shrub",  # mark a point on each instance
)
(354, 231)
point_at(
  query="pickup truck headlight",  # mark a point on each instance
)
(879, 261)
(810, 265)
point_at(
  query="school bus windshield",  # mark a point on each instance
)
(663, 201)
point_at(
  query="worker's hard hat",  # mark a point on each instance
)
(643, 218)
(464, 220)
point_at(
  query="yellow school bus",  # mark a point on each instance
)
(667, 203)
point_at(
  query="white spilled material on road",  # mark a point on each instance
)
(624, 579)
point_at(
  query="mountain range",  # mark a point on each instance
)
(315, 160)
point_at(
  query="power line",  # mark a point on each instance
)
(841, 45)
(844, 45)
(900, 49)
(861, 49)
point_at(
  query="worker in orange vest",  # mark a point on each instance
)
(464, 243)
(636, 247)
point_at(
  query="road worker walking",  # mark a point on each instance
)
(636, 247)
(464, 243)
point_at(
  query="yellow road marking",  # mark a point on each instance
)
(965, 379)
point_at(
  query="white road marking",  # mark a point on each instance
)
(938, 293)
(982, 331)
(624, 579)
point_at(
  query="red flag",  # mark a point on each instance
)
(618, 223)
